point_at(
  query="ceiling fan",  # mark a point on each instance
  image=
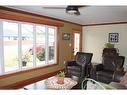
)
(71, 9)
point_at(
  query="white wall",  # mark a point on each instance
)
(94, 38)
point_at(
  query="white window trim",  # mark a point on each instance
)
(19, 44)
(46, 46)
(1, 49)
(34, 46)
(55, 51)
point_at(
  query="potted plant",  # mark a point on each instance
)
(25, 58)
(60, 78)
(41, 55)
(109, 45)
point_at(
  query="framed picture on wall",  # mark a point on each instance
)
(65, 36)
(113, 37)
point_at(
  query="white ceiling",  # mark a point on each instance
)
(89, 14)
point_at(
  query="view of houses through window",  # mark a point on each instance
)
(26, 45)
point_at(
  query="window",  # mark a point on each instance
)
(26, 45)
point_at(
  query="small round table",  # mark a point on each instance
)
(51, 83)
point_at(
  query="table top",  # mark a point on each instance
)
(51, 83)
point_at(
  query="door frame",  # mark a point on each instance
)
(72, 41)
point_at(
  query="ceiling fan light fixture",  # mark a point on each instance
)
(72, 10)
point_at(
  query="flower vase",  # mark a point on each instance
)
(60, 80)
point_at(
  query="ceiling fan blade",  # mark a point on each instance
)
(80, 6)
(54, 7)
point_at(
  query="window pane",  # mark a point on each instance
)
(40, 45)
(51, 45)
(27, 45)
(10, 33)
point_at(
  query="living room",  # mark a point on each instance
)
(94, 37)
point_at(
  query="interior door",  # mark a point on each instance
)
(76, 42)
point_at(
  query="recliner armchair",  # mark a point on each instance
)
(78, 68)
(111, 63)
(105, 72)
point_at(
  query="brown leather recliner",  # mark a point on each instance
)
(78, 68)
(111, 63)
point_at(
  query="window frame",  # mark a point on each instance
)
(35, 67)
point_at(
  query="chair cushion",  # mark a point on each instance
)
(105, 73)
(73, 73)
(74, 68)
(109, 63)
(105, 76)
(78, 74)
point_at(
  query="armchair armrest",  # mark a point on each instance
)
(70, 63)
(119, 69)
(118, 75)
(94, 69)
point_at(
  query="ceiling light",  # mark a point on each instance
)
(72, 10)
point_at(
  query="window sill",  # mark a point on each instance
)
(26, 70)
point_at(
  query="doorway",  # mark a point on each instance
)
(76, 42)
